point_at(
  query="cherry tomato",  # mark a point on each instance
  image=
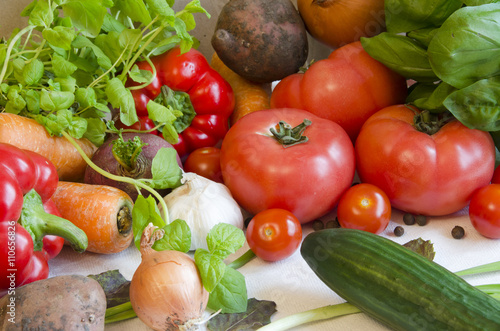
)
(205, 162)
(496, 176)
(347, 88)
(274, 234)
(484, 211)
(364, 207)
(432, 174)
(143, 124)
(306, 179)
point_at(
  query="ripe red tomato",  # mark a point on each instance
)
(274, 234)
(496, 176)
(431, 174)
(364, 207)
(205, 162)
(306, 179)
(484, 211)
(346, 88)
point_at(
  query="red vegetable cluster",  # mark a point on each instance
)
(210, 95)
(24, 251)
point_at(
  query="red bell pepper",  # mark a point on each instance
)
(31, 232)
(205, 98)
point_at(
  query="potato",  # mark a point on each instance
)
(261, 40)
(71, 302)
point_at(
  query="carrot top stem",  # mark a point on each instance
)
(39, 223)
(119, 178)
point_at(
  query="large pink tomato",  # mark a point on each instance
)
(304, 167)
(347, 87)
(432, 173)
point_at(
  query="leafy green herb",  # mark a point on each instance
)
(408, 15)
(85, 53)
(465, 48)
(450, 48)
(422, 247)
(226, 285)
(115, 286)
(258, 314)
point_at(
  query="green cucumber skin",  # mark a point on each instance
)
(396, 286)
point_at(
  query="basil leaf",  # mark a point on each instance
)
(86, 15)
(111, 24)
(85, 97)
(423, 36)
(230, 295)
(33, 72)
(135, 9)
(401, 54)
(62, 67)
(76, 126)
(41, 14)
(160, 8)
(109, 43)
(177, 237)
(67, 84)
(408, 15)
(162, 114)
(145, 211)
(60, 36)
(96, 131)
(102, 59)
(165, 170)
(32, 101)
(120, 97)
(56, 100)
(433, 102)
(211, 268)
(140, 76)
(224, 239)
(476, 106)
(465, 48)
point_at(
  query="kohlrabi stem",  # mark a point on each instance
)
(242, 260)
(312, 315)
(119, 178)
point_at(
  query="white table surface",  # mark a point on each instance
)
(293, 285)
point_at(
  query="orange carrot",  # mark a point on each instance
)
(249, 96)
(103, 212)
(26, 133)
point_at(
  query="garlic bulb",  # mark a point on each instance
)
(202, 203)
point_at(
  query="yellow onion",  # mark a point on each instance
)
(166, 291)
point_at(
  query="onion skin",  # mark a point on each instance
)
(166, 291)
(336, 23)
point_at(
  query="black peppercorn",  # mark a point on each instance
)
(333, 224)
(318, 225)
(399, 231)
(421, 220)
(458, 232)
(409, 219)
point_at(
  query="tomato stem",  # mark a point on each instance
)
(288, 136)
(430, 123)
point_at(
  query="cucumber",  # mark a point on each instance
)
(401, 289)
